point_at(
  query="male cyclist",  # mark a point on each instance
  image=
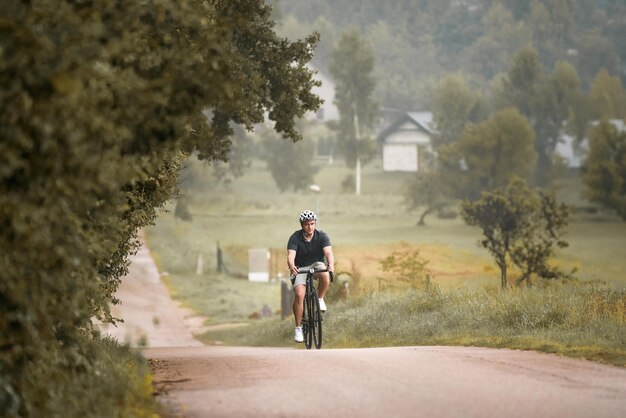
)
(308, 247)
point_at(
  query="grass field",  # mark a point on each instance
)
(251, 213)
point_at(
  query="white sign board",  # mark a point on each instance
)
(258, 265)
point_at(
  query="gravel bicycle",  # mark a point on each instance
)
(311, 315)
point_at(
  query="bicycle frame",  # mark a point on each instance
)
(311, 315)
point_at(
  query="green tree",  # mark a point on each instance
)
(102, 102)
(546, 100)
(453, 104)
(520, 226)
(523, 82)
(503, 37)
(484, 58)
(564, 85)
(604, 173)
(489, 154)
(291, 166)
(547, 223)
(394, 49)
(607, 98)
(426, 190)
(595, 52)
(352, 68)
(552, 23)
(558, 110)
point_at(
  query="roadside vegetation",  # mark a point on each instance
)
(407, 284)
(578, 320)
(102, 101)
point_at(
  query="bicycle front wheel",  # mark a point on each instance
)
(307, 322)
(316, 320)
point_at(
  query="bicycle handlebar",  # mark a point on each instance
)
(313, 270)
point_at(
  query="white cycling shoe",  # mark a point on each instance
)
(299, 337)
(322, 305)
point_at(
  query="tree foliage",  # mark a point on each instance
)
(520, 226)
(102, 102)
(291, 167)
(604, 173)
(549, 101)
(531, 255)
(426, 190)
(596, 52)
(552, 59)
(417, 41)
(454, 105)
(607, 97)
(352, 69)
(489, 154)
(503, 36)
(523, 87)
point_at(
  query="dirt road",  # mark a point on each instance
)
(202, 381)
(151, 317)
(379, 382)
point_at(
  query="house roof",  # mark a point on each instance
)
(421, 120)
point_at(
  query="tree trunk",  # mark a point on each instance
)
(503, 281)
(426, 212)
(524, 278)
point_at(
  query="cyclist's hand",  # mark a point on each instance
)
(294, 270)
(331, 270)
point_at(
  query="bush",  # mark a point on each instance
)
(407, 266)
(95, 126)
(99, 378)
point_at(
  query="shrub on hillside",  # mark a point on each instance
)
(408, 267)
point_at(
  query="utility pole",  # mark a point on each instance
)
(357, 174)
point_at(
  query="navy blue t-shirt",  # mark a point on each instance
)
(309, 252)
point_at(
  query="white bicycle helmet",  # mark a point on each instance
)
(308, 215)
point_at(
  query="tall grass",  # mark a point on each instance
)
(583, 321)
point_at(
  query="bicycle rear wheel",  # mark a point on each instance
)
(316, 320)
(307, 322)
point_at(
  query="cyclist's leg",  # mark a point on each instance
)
(299, 289)
(323, 280)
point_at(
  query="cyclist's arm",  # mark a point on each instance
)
(291, 262)
(330, 258)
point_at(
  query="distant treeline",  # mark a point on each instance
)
(418, 41)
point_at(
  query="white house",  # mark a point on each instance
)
(406, 142)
